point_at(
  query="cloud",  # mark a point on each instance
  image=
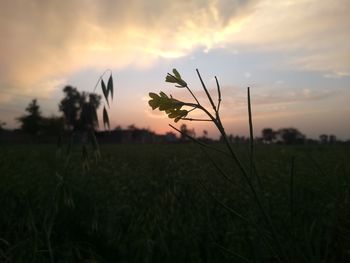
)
(336, 75)
(313, 35)
(268, 102)
(43, 42)
(47, 40)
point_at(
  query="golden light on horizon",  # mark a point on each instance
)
(46, 45)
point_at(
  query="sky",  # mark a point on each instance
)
(294, 55)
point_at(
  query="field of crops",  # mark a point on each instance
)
(169, 203)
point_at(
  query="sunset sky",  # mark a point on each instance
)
(295, 56)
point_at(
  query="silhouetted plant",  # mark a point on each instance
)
(31, 123)
(80, 109)
(80, 112)
(179, 110)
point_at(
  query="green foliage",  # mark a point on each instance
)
(171, 106)
(176, 78)
(80, 112)
(143, 204)
(270, 231)
(105, 119)
(107, 93)
(110, 86)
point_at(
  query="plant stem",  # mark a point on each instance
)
(291, 196)
(219, 94)
(251, 135)
(206, 91)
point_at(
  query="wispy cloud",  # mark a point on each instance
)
(44, 43)
(47, 40)
(313, 35)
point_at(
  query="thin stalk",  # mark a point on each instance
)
(205, 146)
(218, 124)
(195, 98)
(193, 119)
(221, 129)
(229, 209)
(217, 121)
(251, 134)
(206, 91)
(194, 108)
(252, 167)
(291, 191)
(219, 93)
(227, 177)
(200, 143)
(249, 182)
(251, 186)
(244, 219)
(100, 78)
(291, 197)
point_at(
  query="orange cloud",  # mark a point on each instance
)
(48, 40)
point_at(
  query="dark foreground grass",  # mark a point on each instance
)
(145, 203)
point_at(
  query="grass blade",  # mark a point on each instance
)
(105, 118)
(110, 86)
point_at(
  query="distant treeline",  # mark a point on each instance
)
(79, 116)
(133, 134)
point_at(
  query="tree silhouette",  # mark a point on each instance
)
(79, 109)
(31, 123)
(291, 135)
(70, 105)
(268, 135)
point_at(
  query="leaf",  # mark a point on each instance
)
(110, 86)
(176, 73)
(105, 91)
(173, 114)
(177, 118)
(163, 95)
(153, 95)
(153, 103)
(170, 78)
(105, 118)
(171, 106)
(176, 79)
(178, 114)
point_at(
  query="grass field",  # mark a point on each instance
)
(166, 203)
